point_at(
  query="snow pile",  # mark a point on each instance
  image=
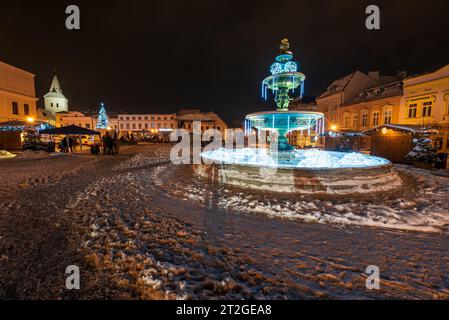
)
(352, 160)
(303, 159)
(6, 155)
(316, 159)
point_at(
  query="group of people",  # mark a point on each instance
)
(110, 143)
(66, 144)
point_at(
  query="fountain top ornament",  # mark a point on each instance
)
(284, 79)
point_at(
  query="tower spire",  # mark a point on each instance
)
(55, 85)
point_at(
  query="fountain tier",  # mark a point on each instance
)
(309, 172)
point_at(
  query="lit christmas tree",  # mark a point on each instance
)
(103, 121)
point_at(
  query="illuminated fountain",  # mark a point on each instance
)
(281, 168)
(284, 80)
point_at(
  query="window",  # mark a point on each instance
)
(87, 125)
(387, 116)
(122, 126)
(127, 126)
(412, 110)
(347, 121)
(355, 121)
(15, 108)
(139, 118)
(134, 118)
(153, 125)
(57, 105)
(364, 120)
(134, 126)
(127, 118)
(427, 109)
(146, 118)
(140, 126)
(447, 104)
(152, 118)
(51, 104)
(26, 109)
(376, 116)
(146, 125)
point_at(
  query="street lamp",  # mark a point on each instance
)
(30, 120)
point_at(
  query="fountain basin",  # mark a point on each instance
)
(310, 172)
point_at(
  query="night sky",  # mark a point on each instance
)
(160, 56)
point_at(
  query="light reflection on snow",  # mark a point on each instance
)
(312, 158)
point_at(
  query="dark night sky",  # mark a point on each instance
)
(160, 56)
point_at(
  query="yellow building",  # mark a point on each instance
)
(425, 102)
(349, 90)
(17, 94)
(373, 107)
(75, 118)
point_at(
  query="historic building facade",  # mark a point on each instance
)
(344, 90)
(209, 120)
(425, 102)
(147, 122)
(373, 107)
(17, 94)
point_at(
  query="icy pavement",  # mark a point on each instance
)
(420, 205)
(143, 228)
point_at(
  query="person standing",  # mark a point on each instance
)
(106, 142)
(116, 142)
(71, 144)
(63, 145)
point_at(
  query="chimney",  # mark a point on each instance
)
(374, 74)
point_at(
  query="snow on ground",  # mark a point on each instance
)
(30, 172)
(6, 155)
(421, 205)
(151, 157)
(135, 235)
(133, 228)
(149, 252)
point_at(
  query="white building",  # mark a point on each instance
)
(147, 122)
(55, 101)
